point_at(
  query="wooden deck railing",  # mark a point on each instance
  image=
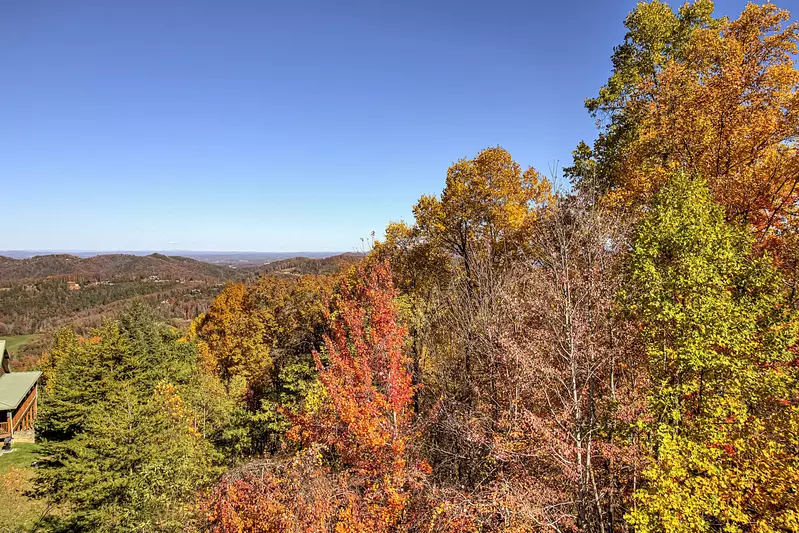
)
(20, 421)
(4, 429)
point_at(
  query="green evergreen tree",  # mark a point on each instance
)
(124, 450)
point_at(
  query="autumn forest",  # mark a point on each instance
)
(613, 349)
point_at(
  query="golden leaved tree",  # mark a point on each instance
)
(488, 204)
(236, 336)
(717, 98)
(729, 110)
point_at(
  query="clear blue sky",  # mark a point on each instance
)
(276, 126)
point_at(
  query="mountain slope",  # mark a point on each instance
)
(112, 267)
(297, 266)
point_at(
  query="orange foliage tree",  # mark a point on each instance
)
(357, 471)
(730, 112)
(717, 98)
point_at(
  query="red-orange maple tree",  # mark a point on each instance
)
(366, 424)
(358, 470)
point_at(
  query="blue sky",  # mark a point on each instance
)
(276, 126)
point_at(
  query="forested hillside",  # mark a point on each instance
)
(111, 267)
(43, 293)
(619, 355)
(46, 304)
(297, 266)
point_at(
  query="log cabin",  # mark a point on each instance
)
(18, 400)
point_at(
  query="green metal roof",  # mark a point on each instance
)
(15, 386)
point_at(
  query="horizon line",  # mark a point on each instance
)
(68, 250)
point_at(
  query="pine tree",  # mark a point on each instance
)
(122, 450)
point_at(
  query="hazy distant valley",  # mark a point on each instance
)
(41, 292)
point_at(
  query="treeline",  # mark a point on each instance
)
(620, 356)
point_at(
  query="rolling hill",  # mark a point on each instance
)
(42, 293)
(112, 267)
(298, 266)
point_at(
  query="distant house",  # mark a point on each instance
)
(71, 285)
(18, 400)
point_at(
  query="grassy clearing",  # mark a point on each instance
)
(23, 455)
(18, 512)
(14, 343)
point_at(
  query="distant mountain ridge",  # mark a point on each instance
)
(112, 266)
(45, 292)
(130, 267)
(207, 256)
(297, 266)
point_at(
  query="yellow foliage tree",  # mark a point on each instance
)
(236, 335)
(717, 98)
(488, 204)
(728, 110)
